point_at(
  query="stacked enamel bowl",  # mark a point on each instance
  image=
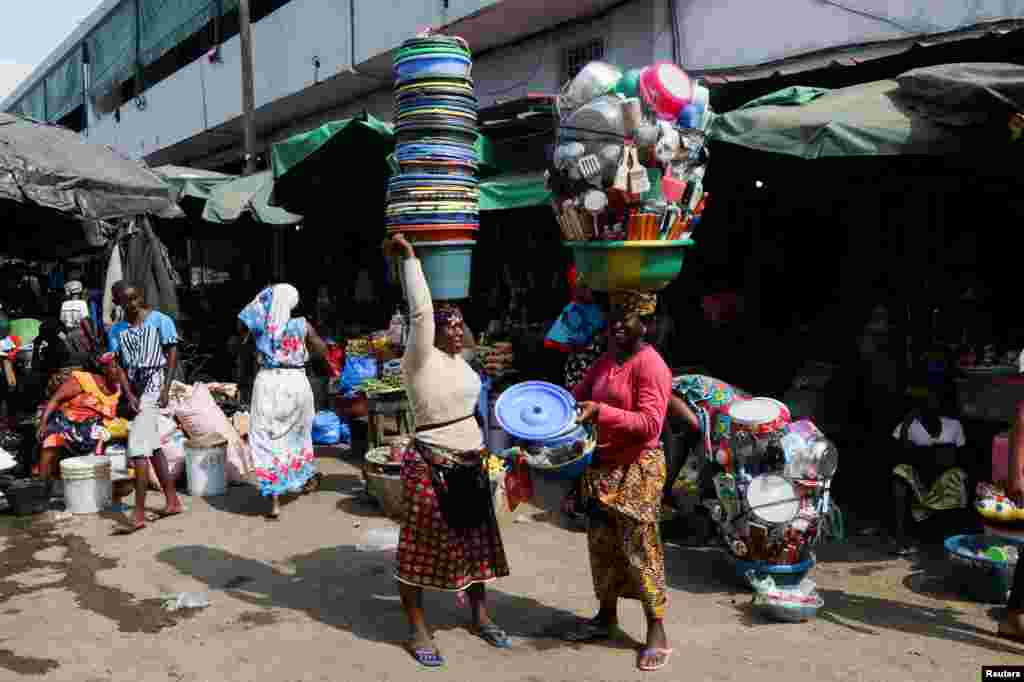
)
(435, 199)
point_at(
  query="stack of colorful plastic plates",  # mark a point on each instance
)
(436, 195)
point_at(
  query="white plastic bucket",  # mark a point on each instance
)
(206, 467)
(87, 484)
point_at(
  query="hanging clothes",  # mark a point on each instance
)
(115, 273)
(148, 264)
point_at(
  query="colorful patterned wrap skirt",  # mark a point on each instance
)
(627, 558)
(430, 553)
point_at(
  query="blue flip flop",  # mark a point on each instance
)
(493, 635)
(428, 657)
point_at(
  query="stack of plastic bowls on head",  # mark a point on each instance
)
(435, 199)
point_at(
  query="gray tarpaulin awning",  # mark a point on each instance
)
(55, 168)
(947, 109)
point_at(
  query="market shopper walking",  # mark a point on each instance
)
(281, 422)
(146, 344)
(1012, 626)
(449, 539)
(625, 394)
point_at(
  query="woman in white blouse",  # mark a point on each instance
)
(926, 479)
(449, 539)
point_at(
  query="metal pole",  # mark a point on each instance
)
(248, 95)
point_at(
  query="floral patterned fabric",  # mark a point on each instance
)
(627, 557)
(281, 431)
(430, 553)
(709, 398)
(277, 347)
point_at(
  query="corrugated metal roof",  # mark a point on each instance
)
(855, 55)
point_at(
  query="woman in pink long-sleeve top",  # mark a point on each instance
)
(625, 394)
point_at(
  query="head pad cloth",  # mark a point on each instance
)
(635, 302)
(447, 317)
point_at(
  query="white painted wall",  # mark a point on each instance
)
(535, 65)
(714, 33)
(205, 95)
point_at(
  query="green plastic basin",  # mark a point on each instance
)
(631, 265)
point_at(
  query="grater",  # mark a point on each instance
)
(589, 166)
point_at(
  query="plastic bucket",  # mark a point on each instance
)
(206, 467)
(447, 265)
(87, 484)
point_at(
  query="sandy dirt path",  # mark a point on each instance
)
(297, 601)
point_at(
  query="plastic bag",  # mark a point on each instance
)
(575, 327)
(357, 370)
(518, 484)
(329, 429)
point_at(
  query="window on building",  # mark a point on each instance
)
(576, 57)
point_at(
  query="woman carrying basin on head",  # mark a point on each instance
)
(449, 539)
(626, 394)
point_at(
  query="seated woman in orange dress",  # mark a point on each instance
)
(73, 420)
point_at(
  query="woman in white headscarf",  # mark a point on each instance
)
(281, 422)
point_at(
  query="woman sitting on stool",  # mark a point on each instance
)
(926, 478)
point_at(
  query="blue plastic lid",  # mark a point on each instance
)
(535, 411)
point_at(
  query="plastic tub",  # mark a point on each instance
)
(447, 265)
(88, 488)
(434, 233)
(635, 265)
(206, 467)
(784, 575)
(569, 471)
(983, 579)
(431, 65)
(779, 610)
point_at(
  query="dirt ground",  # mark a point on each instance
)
(296, 600)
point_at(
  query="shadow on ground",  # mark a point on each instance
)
(356, 591)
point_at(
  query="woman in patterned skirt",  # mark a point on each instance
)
(626, 396)
(442, 547)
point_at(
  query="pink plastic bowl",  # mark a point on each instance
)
(666, 88)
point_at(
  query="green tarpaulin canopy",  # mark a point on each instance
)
(308, 167)
(513, 191)
(871, 119)
(194, 183)
(522, 190)
(228, 201)
(286, 156)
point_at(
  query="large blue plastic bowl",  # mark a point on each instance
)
(981, 578)
(570, 471)
(783, 574)
(442, 65)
